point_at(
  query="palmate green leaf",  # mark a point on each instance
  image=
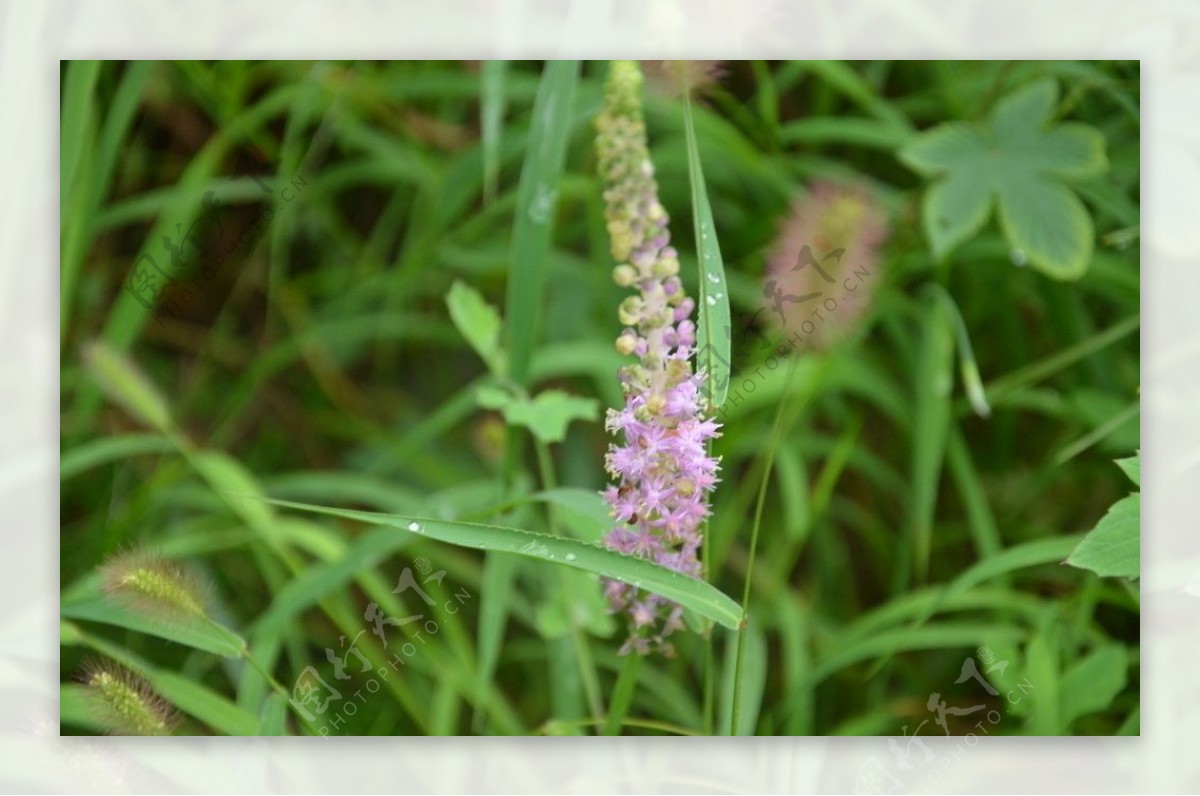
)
(1016, 160)
(713, 330)
(479, 323)
(691, 593)
(1113, 548)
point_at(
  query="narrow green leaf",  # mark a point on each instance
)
(499, 581)
(888, 642)
(492, 101)
(688, 592)
(931, 422)
(191, 697)
(76, 133)
(536, 197)
(125, 384)
(75, 709)
(713, 330)
(753, 672)
(272, 720)
(110, 449)
(622, 696)
(195, 633)
(1113, 547)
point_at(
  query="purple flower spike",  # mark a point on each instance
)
(663, 471)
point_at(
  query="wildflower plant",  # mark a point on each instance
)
(663, 471)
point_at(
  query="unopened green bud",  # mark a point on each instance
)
(630, 311)
(624, 275)
(626, 343)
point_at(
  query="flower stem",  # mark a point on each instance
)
(780, 412)
(583, 655)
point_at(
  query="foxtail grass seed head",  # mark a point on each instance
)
(124, 703)
(827, 250)
(680, 78)
(663, 471)
(153, 586)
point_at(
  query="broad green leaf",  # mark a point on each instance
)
(581, 607)
(1113, 547)
(1043, 669)
(713, 330)
(1046, 222)
(479, 323)
(1017, 160)
(549, 414)
(546, 416)
(1092, 683)
(1132, 467)
(688, 592)
(954, 210)
(584, 511)
(536, 197)
(196, 633)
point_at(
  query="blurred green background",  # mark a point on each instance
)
(303, 223)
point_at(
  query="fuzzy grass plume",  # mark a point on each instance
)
(663, 471)
(153, 586)
(827, 247)
(124, 703)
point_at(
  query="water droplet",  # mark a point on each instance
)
(716, 280)
(712, 300)
(542, 205)
(570, 556)
(415, 527)
(1019, 258)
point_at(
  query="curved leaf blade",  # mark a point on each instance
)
(697, 595)
(713, 331)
